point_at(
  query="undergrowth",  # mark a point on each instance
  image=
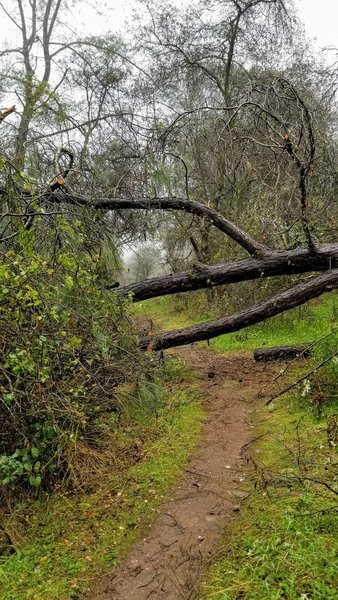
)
(62, 542)
(66, 346)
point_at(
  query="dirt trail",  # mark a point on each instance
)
(169, 562)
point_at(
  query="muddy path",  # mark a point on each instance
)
(169, 562)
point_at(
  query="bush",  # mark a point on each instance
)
(327, 348)
(324, 388)
(66, 346)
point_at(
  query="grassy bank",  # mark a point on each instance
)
(63, 541)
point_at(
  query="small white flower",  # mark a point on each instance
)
(306, 388)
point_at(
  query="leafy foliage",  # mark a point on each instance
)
(66, 346)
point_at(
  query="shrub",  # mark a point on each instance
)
(66, 345)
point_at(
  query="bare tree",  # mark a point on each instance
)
(203, 59)
(36, 23)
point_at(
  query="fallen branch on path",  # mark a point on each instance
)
(282, 353)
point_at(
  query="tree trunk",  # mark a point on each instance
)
(286, 262)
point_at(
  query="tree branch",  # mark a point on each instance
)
(286, 262)
(170, 203)
(6, 112)
(79, 126)
(295, 383)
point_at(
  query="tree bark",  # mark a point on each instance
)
(286, 262)
(291, 298)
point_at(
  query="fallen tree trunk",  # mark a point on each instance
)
(282, 353)
(291, 298)
(277, 263)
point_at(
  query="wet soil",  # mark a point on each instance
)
(169, 562)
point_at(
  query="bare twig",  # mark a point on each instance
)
(314, 370)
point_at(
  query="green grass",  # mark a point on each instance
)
(69, 539)
(284, 543)
(164, 313)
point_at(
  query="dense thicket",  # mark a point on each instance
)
(65, 350)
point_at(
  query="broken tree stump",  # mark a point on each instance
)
(282, 353)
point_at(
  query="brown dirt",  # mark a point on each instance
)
(169, 562)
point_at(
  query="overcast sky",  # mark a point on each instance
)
(320, 17)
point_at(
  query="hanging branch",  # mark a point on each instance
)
(302, 166)
(266, 111)
(61, 173)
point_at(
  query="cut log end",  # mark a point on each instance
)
(282, 353)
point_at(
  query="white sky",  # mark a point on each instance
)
(320, 17)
